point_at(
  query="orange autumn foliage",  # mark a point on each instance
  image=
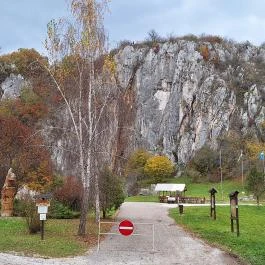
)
(25, 153)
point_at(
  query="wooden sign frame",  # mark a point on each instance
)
(234, 215)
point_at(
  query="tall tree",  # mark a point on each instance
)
(255, 183)
(77, 49)
(26, 154)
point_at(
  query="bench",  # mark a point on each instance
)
(195, 200)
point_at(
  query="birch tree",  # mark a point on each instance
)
(82, 42)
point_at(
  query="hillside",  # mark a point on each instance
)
(172, 97)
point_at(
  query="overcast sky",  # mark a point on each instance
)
(23, 22)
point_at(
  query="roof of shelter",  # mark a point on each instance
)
(170, 187)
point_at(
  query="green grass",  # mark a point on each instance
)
(197, 190)
(60, 238)
(142, 198)
(202, 189)
(249, 245)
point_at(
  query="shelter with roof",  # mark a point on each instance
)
(170, 192)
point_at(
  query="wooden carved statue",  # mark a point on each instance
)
(8, 194)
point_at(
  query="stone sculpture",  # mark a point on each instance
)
(8, 194)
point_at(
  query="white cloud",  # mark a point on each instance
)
(24, 22)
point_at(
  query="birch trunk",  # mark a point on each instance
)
(97, 204)
(84, 212)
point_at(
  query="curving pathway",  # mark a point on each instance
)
(172, 244)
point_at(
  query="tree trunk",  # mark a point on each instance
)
(258, 200)
(97, 199)
(84, 211)
(104, 213)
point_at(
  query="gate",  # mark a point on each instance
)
(140, 230)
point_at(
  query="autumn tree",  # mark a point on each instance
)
(205, 161)
(82, 40)
(27, 155)
(111, 190)
(255, 183)
(136, 163)
(158, 168)
(134, 170)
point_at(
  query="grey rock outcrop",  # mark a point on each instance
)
(184, 100)
(12, 86)
(173, 98)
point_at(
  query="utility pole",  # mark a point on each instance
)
(261, 157)
(242, 171)
(221, 173)
(242, 166)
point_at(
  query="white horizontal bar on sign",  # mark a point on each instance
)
(109, 222)
(110, 234)
(126, 227)
(142, 223)
(118, 234)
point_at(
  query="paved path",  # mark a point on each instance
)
(172, 245)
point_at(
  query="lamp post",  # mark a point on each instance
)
(262, 158)
(221, 173)
(242, 166)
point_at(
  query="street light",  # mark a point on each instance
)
(221, 173)
(262, 158)
(242, 166)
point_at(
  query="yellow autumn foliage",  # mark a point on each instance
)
(254, 148)
(158, 168)
(110, 64)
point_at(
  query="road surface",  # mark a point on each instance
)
(172, 245)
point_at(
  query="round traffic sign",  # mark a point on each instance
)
(126, 227)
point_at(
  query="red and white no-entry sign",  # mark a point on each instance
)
(126, 227)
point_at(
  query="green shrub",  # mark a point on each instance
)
(57, 210)
(27, 208)
(110, 191)
(158, 168)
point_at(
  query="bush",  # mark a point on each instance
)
(158, 168)
(110, 191)
(194, 175)
(27, 208)
(212, 39)
(255, 183)
(204, 51)
(205, 164)
(69, 193)
(58, 210)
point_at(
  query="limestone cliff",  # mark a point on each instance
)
(176, 96)
(188, 93)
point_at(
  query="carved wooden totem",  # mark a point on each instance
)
(8, 194)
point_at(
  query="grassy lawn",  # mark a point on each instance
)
(142, 198)
(249, 245)
(201, 189)
(60, 238)
(197, 190)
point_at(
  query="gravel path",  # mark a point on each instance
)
(172, 244)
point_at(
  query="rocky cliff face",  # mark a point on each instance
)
(189, 93)
(177, 96)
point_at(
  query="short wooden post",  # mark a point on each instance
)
(42, 229)
(234, 216)
(181, 207)
(212, 203)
